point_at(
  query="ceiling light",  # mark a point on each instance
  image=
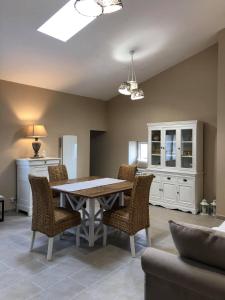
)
(110, 6)
(94, 8)
(137, 94)
(124, 89)
(65, 23)
(130, 88)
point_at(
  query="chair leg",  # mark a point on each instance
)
(50, 247)
(132, 246)
(32, 240)
(78, 236)
(148, 236)
(104, 235)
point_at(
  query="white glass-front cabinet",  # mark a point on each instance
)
(176, 159)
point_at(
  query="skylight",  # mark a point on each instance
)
(65, 23)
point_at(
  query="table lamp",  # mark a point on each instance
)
(36, 132)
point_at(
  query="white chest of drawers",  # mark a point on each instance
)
(26, 167)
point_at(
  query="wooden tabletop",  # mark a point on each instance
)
(96, 191)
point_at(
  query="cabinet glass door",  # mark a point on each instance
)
(156, 148)
(186, 148)
(170, 148)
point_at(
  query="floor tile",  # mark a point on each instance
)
(80, 273)
(20, 291)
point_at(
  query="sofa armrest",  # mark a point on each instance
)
(186, 273)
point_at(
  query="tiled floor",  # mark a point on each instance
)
(84, 273)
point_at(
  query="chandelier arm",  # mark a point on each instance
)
(134, 74)
(130, 72)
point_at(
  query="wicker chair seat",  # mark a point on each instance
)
(118, 218)
(62, 220)
(62, 215)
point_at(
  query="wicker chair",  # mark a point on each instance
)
(127, 172)
(48, 219)
(57, 173)
(135, 217)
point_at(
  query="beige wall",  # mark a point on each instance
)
(187, 91)
(61, 113)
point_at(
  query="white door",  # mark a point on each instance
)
(169, 192)
(186, 195)
(187, 148)
(156, 192)
(170, 148)
(69, 155)
(155, 148)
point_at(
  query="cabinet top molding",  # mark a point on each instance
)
(178, 123)
(37, 159)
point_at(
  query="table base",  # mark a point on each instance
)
(91, 228)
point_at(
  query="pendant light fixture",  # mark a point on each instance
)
(95, 8)
(130, 88)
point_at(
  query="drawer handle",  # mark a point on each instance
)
(168, 178)
(185, 180)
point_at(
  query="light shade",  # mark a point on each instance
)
(36, 131)
(137, 94)
(133, 85)
(88, 8)
(110, 6)
(124, 89)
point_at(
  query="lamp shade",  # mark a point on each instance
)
(137, 94)
(110, 6)
(124, 89)
(36, 131)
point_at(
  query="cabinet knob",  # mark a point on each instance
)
(168, 178)
(184, 180)
(178, 148)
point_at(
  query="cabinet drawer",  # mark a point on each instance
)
(157, 178)
(52, 162)
(44, 162)
(169, 178)
(185, 180)
(37, 163)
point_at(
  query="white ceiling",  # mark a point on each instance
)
(95, 61)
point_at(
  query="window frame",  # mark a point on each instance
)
(139, 158)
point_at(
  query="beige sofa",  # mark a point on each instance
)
(170, 277)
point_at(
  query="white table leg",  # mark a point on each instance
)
(62, 200)
(91, 223)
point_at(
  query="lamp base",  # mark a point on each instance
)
(36, 147)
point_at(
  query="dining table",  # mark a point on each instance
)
(92, 195)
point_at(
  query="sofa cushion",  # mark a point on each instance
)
(199, 243)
